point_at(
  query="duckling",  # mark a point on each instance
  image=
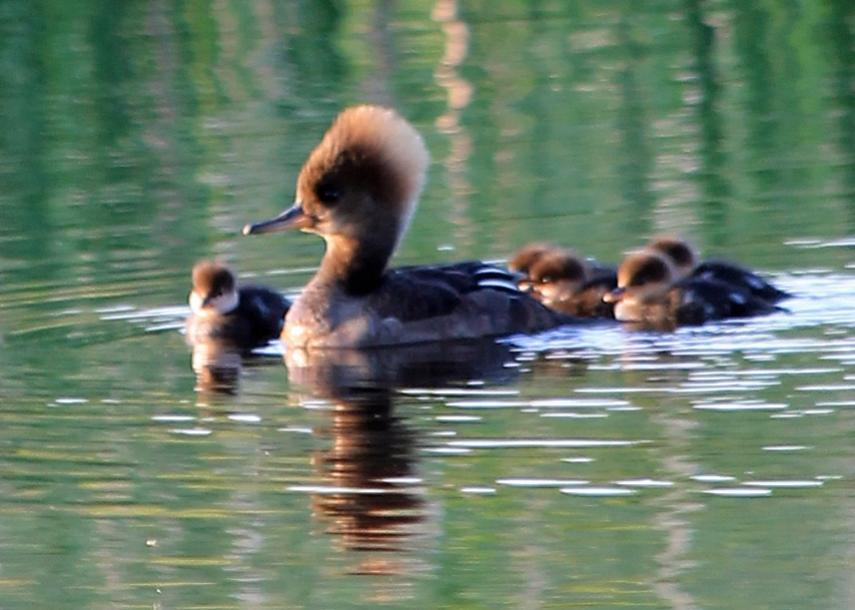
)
(686, 264)
(522, 260)
(358, 190)
(246, 317)
(649, 294)
(564, 281)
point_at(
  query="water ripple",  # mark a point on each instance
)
(598, 491)
(541, 482)
(531, 443)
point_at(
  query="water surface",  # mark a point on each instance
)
(593, 467)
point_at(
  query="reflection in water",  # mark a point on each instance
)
(379, 83)
(674, 516)
(713, 183)
(371, 491)
(368, 472)
(840, 18)
(316, 68)
(636, 157)
(458, 96)
(217, 365)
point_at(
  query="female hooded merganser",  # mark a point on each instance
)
(650, 295)
(246, 317)
(564, 281)
(358, 190)
(686, 264)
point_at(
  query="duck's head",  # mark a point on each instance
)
(557, 274)
(644, 278)
(214, 289)
(681, 254)
(361, 183)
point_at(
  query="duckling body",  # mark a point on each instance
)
(648, 296)
(740, 277)
(687, 264)
(566, 282)
(246, 316)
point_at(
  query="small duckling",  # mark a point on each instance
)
(564, 281)
(247, 317)
(522, 260)
(686, 264)
(525, 257)
(650, 295)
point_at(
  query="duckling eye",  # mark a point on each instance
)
(546, 279)
(328, 194)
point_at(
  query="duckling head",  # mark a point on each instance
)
(681, 254)
(214, 289)
(522, 260)
(557, 274)
(644, 278)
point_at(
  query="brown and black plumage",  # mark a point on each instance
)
(358, 190)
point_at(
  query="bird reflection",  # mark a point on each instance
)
(218, 366)
(371, 497)
(371, 465)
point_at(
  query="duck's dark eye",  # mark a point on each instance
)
(328, 194)
(546, 279)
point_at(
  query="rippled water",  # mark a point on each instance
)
(585, 467)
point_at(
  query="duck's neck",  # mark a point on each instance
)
(355, 266)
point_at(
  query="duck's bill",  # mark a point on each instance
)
(292, 218)
(615, 296)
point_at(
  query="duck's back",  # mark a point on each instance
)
(419, 304)
(468, 299)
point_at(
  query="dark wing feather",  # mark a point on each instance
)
(598, 269)
(710, 299)
(590, 295)
(420, 292)
(264, 312)
(739, 277)
(464, 276)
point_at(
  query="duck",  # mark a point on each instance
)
(242, 316)
(650, 294)
(358, 190)
(686, 264)
(564, 281)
